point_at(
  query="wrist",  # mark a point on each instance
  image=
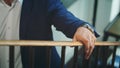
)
(89, 28)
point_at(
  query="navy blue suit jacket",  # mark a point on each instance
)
(37, 16)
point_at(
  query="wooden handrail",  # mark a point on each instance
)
(50, 43)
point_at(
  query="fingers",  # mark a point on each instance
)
(86, 37)
(90, 46)
(90, 50)
(89, 41)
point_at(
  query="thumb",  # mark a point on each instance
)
(74, 39)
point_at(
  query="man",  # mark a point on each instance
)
(32, 20)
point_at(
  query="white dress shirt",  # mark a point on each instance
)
(9, 30)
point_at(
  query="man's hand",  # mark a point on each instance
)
(86, 37)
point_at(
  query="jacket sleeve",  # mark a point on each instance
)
(63, 20)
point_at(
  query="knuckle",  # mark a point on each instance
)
(86, 40)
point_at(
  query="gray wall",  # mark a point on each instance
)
(106, 12)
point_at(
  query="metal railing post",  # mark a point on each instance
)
(75, 64)
(49, 49)
(11, 57)
(63, 57)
